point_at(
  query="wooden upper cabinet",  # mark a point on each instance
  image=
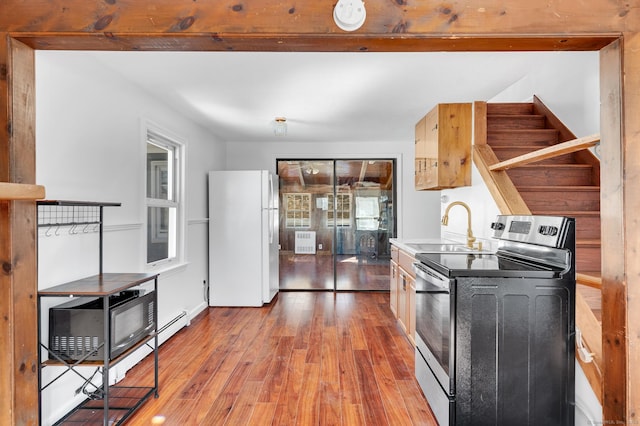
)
(443, 147)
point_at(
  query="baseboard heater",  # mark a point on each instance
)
(305, 242)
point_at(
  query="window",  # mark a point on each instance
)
(367, 213)
(342, 210)
(298, 214)
(163, 172)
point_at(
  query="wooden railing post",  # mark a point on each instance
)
(18, 233)
(479, 123)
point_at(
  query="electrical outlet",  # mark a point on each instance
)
(320, 246)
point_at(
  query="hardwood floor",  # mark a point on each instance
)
(307, 359)
(315, 272)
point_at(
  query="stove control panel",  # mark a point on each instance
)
(550, 231)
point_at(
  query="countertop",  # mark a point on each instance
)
(401, 243)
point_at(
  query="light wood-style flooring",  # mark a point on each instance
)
(307, 359)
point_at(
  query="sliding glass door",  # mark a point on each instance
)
(362, 250)
(306, 240)
(336, 219)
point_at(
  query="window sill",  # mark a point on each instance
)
(168, 268)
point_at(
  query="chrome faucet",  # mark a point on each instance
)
(445, 221)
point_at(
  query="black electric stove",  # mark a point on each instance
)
(486, 265)
(533, 246)
(495, 332)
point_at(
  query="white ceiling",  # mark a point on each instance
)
(325, 97)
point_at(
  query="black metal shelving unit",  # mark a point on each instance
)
(114, 404)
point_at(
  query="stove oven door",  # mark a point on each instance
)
(435, 340)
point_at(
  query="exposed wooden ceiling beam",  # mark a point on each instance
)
(231, 42)
(363, 171)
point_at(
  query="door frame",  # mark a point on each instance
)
(602, 26)
(334, 160)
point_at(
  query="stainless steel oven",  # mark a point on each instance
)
(435, 308)
(495, 331)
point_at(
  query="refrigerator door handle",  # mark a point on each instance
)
(271, 212)
(272, 195)
(271, 220)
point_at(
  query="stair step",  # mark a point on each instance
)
(508, 152)
(558, 186)
(512, 121)
(504, 108)
(588, 242)
(552, 174)
(588, 257)
(537, 137)
(593, 297)
(544, 198)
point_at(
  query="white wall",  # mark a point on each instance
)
(569, 85)
(89, 147)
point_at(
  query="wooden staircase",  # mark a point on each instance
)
(533, 164)
(567, 185)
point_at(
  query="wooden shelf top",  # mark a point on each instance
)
(98, 285)
(20, 191)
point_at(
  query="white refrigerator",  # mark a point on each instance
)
(243, 237)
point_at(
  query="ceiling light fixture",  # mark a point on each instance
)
(349, 15)
(280, 126)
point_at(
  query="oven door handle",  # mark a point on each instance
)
(434, 291)
(430, 282)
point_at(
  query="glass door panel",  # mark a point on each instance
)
(306, 238)
(363, 261)
(336, 219)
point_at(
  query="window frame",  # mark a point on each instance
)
(344, 215)
(156, 135)
(361, 218)
(298, 221)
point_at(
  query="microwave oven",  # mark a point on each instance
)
(77, 328)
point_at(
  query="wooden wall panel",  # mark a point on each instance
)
(311, 43)
(4, 107)
(620, 72)
(18, 376)
(24, 223)
(6, 293)
(315, 17)
(630, 241)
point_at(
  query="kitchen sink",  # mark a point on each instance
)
(441, 248)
